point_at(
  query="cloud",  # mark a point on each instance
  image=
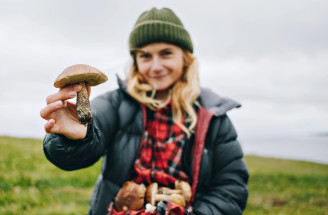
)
(258, 28)
(290, 79)
(269, 55)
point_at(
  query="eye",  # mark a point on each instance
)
(166, 53)
(145, 56)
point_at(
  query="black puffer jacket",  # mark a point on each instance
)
(219, 176)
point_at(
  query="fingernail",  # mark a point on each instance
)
(72, 94)
(58, 103)
(77, 87)
(51, 122)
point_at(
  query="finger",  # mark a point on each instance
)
(50, 108)
(64, 93)
(49, 125)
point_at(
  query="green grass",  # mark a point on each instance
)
(29, 184)
(286, 187)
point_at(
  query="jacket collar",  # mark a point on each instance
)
(215, 103)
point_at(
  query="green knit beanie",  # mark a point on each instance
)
(159, 26)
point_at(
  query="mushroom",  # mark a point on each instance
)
(185, 188)
(168, 191)
(81, 74)
(152, 196)
(130, 196)
(180, 187)
(151, 192)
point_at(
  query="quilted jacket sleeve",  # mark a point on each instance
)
(226, 192)
(70, 154)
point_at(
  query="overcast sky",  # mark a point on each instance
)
(271, 56)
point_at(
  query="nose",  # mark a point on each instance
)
(156, 65)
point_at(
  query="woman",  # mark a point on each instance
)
(159, 126)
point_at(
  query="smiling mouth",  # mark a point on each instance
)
(159, 77)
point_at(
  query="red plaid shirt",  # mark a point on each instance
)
(159, 157)
(160, 151)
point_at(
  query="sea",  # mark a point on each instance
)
(307, 148)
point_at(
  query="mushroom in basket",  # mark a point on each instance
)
(130, 197)
(180, 195)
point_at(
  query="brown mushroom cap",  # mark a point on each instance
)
(80, 73)
(130, 196)
(151, 192)
(186, 189)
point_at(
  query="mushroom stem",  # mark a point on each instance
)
(162, 197)
(83, 110)
(168, 191)
(175, 198)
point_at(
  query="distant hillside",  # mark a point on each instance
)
(322, 134)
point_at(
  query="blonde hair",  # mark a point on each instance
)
(183, 94)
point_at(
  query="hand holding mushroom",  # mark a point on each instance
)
(65, 117)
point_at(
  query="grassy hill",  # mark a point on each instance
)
(29, 184)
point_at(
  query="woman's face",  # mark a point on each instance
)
(160, 64)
